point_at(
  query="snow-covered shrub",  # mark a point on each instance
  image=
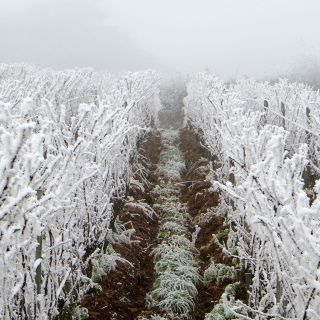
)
(66, 143)
(264, 151)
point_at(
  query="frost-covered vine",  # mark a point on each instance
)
(67, 139)
(266, 139)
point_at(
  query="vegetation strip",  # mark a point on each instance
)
(176, 266)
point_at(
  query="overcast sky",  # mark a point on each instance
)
(229, 37)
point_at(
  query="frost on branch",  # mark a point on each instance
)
(66, 143)
(267, 140)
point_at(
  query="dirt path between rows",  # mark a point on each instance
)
(131, 290)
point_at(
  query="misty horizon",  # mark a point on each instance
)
(232, 39)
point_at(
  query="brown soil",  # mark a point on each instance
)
(197, 195)
(196, 191)
(124, 289)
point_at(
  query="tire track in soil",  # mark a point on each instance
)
(197, 195)
(124, 289)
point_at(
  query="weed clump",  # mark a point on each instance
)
(219, 273)
(228, 307)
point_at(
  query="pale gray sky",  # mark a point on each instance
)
(230, 37)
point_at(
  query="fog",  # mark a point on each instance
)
(229, 37)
